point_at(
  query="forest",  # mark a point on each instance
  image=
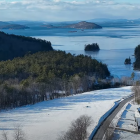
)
(47, 75)
(137, 57)
(32, 71)
(92, 47)
(12, 46)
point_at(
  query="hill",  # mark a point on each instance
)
(83, 25)
(26, 80)
(137, 57)
(7, 25)
(13, 27)
(3, 23)
(80, 25)
(48, 26)
(15, 46)
(43, 66)
(48, 115)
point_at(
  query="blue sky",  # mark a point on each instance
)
(68, 10)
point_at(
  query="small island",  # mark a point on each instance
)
(127, 61)
(92, 47)
(72, 31)
(80, 25)
(48, 26)
(83, 25)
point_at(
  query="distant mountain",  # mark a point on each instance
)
(48, 26)
(7, 25)
(29, 23)
(88, 24)
(83, 25)
(3, 23)
(109, 20)
(13, 27)
(121, 23)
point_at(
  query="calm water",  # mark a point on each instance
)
(113, 51)
(116, 44)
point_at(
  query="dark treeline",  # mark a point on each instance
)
(12, 46)
(137, 56)
(47, 75)
(92, 47)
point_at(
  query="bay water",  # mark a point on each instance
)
(116, 44)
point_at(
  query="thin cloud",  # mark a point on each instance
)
(60, 10)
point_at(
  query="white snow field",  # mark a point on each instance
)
(48, 119)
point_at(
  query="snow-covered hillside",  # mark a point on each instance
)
(48, 119)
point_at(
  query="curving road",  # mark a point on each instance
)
(105, 125)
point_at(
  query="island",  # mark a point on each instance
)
(92, 47)
(13, 26)
(127, 61)
(81, 25)
(48, 26)
(72, 31)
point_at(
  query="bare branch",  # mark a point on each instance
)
(78, 129)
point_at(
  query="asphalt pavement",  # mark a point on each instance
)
(105, 125)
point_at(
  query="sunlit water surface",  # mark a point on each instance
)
(116, 44)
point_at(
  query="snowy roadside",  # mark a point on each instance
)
(48, 119)
(128, 123)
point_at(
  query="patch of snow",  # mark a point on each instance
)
(137, 114)
(121, 135)
(127, 124)
(127, 120)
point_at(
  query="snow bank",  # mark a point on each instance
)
(121, 135)
(127, 120)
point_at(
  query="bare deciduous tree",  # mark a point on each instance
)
(136, 90)
(78, 129)
(4, 135)
(109, 132)
(18, 134)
